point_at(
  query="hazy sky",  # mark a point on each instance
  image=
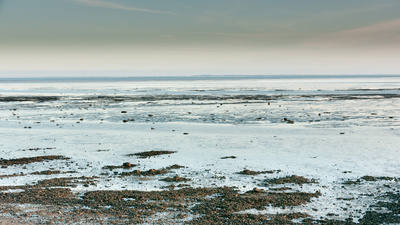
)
(190, 37)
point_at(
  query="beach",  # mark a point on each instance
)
(198, 150)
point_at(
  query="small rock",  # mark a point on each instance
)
(126, 165)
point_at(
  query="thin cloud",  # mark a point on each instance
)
(385, 29)
(384, 33)
(104, 4)
(238, 35)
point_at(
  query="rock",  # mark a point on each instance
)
(127, 165)
(229, 157)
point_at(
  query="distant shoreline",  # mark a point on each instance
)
(185, 78)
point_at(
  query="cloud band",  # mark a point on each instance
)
(104, 4)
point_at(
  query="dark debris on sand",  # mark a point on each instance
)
(125, 165)
(150, 172)
(28, 98)
(149, 154)
(391, 202)
(211, 205)
(368, 178)
(28, 160)
(251, 172)
(176, 178)
(187, 205)
(46, 172)
(175, 167)
(229, 157)
(294, 179)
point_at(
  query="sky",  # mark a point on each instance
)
(192, 37)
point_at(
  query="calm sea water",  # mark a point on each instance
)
(204, 85)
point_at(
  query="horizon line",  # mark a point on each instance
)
(191, 77)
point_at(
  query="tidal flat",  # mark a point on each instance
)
(208, 151)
